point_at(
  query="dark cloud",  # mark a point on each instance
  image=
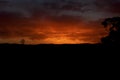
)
(92, 9)
(45, 19)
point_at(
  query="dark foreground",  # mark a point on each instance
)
(73, 55)
(65, 48)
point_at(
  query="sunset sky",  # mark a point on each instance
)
(55, 21)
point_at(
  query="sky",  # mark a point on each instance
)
(55, 21)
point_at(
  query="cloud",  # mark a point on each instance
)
(88, 9)
(14, 26)
(47, 19)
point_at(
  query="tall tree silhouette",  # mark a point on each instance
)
(113, 27)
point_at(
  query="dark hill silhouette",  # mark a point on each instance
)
(63, 48)
(72, 54)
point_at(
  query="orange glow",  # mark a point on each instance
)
(63, 40)
(66, 33)
(54, 32)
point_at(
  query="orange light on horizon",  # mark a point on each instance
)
(63, 40)
(54, 32)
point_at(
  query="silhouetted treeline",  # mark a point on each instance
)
(112, 25)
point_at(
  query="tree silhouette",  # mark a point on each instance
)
(113, 27)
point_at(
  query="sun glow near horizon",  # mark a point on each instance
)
(63, 40)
